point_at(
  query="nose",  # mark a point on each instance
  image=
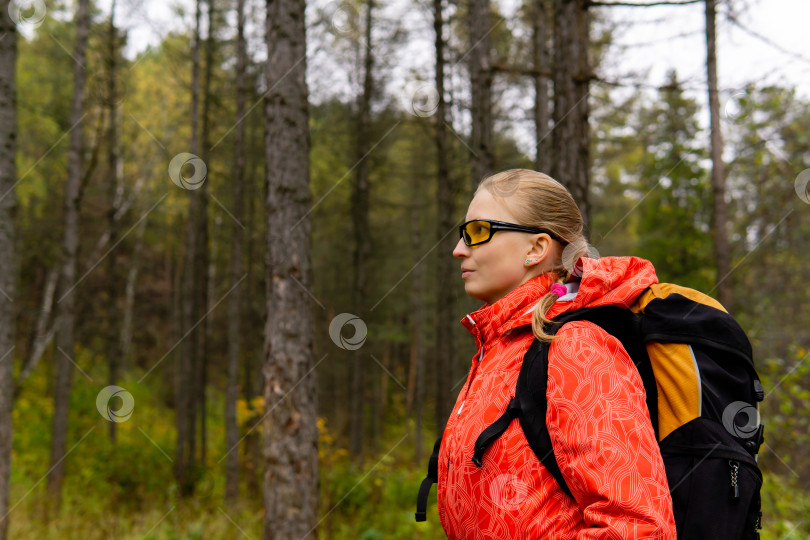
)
(461, 250)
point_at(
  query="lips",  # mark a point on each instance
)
(465, 272)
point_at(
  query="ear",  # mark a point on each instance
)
(540, 252)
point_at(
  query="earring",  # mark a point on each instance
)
(529, 261)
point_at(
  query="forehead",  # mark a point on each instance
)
(485, 206)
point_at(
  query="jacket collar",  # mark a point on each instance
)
(515, 309)
(605, 281)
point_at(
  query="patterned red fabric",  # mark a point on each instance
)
(597, 418)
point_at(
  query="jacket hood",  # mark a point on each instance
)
(604, 281)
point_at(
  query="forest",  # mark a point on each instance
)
(228, 304)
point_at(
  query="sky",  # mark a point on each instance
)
(768, 46)
(670, 37)
(677, 40)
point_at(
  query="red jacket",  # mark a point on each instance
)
(597, 417)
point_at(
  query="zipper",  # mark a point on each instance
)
(464, 401)
(735, 469)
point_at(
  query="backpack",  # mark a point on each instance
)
(702, 395)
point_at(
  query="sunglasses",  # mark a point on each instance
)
(479, 231)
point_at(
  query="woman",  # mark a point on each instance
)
(523, 229)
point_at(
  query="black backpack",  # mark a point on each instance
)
(702, 393)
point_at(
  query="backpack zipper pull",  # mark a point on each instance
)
(735, 488)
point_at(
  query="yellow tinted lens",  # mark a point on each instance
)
(476, 232)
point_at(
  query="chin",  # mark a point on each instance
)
(476, 295)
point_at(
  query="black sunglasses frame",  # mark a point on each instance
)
(495, 226)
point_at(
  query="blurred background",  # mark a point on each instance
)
(137, 384)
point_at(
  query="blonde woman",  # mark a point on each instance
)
(523, 254)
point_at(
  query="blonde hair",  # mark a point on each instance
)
(537, 200)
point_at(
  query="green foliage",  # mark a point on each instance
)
(785, 507)
(653, 155)
(651, 198)
(126, 488)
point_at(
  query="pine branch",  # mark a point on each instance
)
(765, 40)
(647, 4)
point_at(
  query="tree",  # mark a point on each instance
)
(445, 198)
(290, 423)
(570, 138)
(237, 238)
(672, 218)
(483, 157)
(362, 242)
(539, 16)
(722, 251)
(202, 252)
(113, 181)
(188, 374)
(66, 305)
(8, 262)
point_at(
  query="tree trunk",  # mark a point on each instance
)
(202, 251)
(290, 424)
(417, 308)
(252, 386)
(483, 156)
(186, 388)
(113, 170)
(43, 334)
(237, 238)
(539, 16)
(66, 305)
(129, 298)
(722, 251)
(359, 210)
(447, 269)
(8, 262)
(570, 144)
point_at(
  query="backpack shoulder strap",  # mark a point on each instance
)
(431, 478)
(530, 404)
(532, 385)
(531, 395)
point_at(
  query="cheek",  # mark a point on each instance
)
(503, 270)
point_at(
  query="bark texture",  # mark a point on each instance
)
(187, 374)
(66, 303)
(290, 423)
(540, 18)
(8, 261)
(113, 182)
(447, 267)
(362, 240)
(237, 239)
(571, 138)
(722, 251)
(483, 157)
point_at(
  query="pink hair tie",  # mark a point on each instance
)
(559, 289)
